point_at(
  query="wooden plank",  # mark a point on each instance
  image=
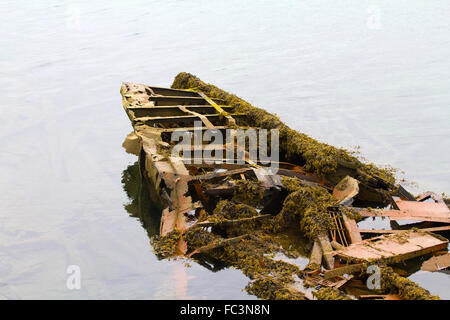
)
(349, 269)
(204, 118)
(352, 228)
(230, 119)
(153, 120)
(231, 222)
(346, 189)
(315, 258)
(212, 175)
(327, 250)
(217, 244)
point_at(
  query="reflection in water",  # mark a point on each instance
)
(181, 282)
(149, 214)
(140, 206)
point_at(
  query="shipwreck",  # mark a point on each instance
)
(242, 214)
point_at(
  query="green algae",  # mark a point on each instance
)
(392, 282)
(330, 294)
(230, 210)
(196, 238)
(272, 279)
(308, 206)
(270, 288)
(299, 148)
(249, 192)
(292, 184)
(166, 246)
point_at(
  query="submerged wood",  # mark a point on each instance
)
(189, 192)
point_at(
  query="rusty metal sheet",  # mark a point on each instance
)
(437, 263)
(398, 247)
(414, 210)
(432, 229)
(420, 210)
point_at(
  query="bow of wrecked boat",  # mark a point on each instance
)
(221, 204)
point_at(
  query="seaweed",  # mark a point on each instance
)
(309, 207)
(270, 288)
(251, 245)
(248, 192)
(330, 294)
(230, 210)
(299, 148)
(166, 246)
(394, 283)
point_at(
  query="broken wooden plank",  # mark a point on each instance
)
(346, 189)
(212, 175)
(348, 269)
(352, 229)
(327, 250)
(216, 245)
(315, 259)
(186, 118)
(231, 222)
(231, 121)
(337, 245)
(404, 194)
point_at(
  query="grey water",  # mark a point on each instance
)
(374, 74)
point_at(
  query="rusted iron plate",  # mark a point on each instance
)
(427, 195)
(437, 263)
(395, 247)
(433, 229)
(421, 210)
(435, 213)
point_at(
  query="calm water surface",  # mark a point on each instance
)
(319, 65)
